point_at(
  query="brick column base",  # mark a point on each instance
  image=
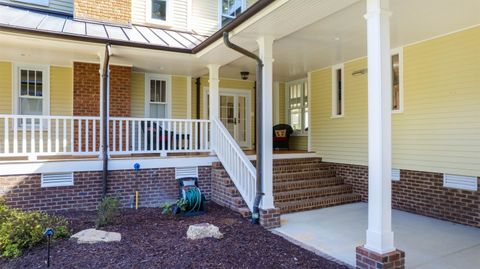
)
(270, 218)
(367, 259)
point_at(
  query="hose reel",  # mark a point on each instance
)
(191, 193)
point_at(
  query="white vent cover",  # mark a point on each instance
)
(395, 174)
(460, 182)
(57, 180)
(183, 172)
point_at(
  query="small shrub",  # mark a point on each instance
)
(21, 230)
(167, 209)
(182, 204)
(108, 210)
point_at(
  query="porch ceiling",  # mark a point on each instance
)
(341, 37)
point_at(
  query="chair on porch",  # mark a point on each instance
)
(281, 136)
(152, 129)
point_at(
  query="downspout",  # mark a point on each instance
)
(258, 120)
(198, 84)
(105, 79)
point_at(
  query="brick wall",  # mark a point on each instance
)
(111, 11)
(421, 193)
(155, 187)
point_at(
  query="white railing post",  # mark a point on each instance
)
(214, 98)
(6, 142)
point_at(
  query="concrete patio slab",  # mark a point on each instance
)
(429, 243)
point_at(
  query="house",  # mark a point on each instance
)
(89, 88)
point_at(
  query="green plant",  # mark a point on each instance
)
(21, 230)
(182, 204)
(167, 209)
(108, 210)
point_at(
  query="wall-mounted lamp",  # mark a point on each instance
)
(244, 75)
(360, 72)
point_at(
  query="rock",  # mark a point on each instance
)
(92, 236)
(203, 230)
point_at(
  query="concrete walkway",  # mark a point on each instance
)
(428, 243)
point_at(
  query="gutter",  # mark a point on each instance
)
(258, 120)
(105, 80)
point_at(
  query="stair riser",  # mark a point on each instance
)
(317, 205)
(292, 177)
(279, 162)
(300, 168)
(290, 186)
(311, 195)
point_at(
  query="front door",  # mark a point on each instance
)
(234, 108)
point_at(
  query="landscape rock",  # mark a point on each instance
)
(92, 236)
(203, 230)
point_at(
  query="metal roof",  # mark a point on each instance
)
(15, 18)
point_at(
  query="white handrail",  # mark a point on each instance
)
(238, 166)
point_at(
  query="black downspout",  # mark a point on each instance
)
(259, 120)
(105, 120)
(198, 84)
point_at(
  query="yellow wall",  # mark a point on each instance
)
(61, 91)
(439, 129)
(5, 88)
(137, 98)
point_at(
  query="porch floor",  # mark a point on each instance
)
(428, 243)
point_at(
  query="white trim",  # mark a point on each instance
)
(399, 51)
(45, 88)
(276, 101)
(220, 13)
(35, 2)
(395, 174)
(334, 91)
(287, 104)
(309, 85)
(168, 79)
(29, 167)
(58, 180)
(189, 97)
(168, 18)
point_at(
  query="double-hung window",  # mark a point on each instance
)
(158, 11)
(297, 105)
(157, 96)
(31, 90)
(230, 9)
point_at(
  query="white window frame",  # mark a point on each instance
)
(45, 89)
(220, 13)
(399, 51)
(334, 91)
(168, 80)
(35, 2)
(169, 14)
(302, 132)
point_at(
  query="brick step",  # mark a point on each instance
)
(296, 176)
(301, 167)
(309, 204)
(288, 196)
(279, 162)
(306, 184)
(244, 211)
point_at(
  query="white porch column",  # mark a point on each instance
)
(265, 44)
(214, 99)
(379, 233)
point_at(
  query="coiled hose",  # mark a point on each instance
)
(194, 198)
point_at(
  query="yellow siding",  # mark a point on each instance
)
(5, 88)
(179, 97)
(299, 142)
(439, 129)
(61, 91)
(137, 101)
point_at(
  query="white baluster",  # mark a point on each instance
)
(120, 137)
(15, 135)
(57, 138)
(79, 135)
(6, 142)
(64, 135)
(114, 128)
(127, 141)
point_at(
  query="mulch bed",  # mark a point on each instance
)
(152, 240)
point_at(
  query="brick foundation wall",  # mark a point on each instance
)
(367, 259)
(420, 193)
(270, 218)
(112, 11)
(155, 187)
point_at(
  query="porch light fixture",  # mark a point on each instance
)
(360, 72)
(244, 75)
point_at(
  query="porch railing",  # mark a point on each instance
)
(238, 166)
(33, 136)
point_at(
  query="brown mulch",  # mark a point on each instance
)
(152, 240)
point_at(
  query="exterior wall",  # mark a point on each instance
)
(112, 11)
(63, 6)
(86, 89)
(120, 90)
(420, 193)
(155, 187)
(137, 96)
(179, 20)
(438, 130)
(61, 91)
(5, 88)
(179, 97)
(299, 142)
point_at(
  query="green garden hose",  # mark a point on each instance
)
(194, 199)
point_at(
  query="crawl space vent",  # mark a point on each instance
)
(183, 172)
(395, 174)
(460, 182)
(57, 180)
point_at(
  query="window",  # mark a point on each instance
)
(297, 105)
(230, 9)
(338, 96)
(158, 11)
(397, 81)
(35, 2)
(31, 90)
(157, 94)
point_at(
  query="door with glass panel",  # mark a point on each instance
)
(234, 114)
